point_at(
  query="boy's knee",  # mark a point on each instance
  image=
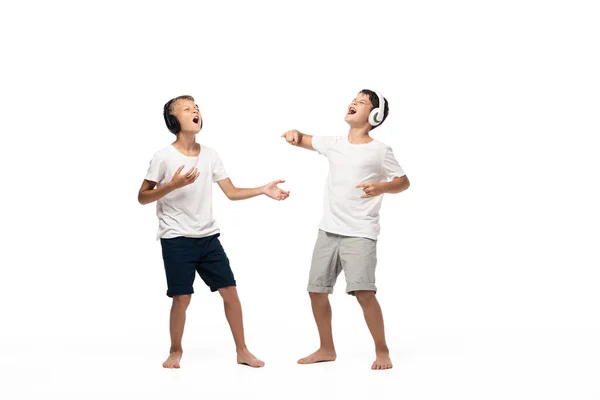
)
(182, 300)
(365, 297)
(229, 294)
(318, 296)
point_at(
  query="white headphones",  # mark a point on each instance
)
(377, 114)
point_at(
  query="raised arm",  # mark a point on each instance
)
(297, 138)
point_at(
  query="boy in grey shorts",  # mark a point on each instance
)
(361, 169)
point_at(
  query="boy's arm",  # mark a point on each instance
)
(297, 138)
(397, 185)
(148, 194)
(271, 190)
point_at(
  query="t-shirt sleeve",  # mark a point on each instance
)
(391, 166)
(218, 172)
(156, 169)
(322, 144)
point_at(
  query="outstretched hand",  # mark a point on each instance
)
(293, 137)
(274, 192)
(371, 189)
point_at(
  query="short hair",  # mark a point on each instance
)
(175, 100)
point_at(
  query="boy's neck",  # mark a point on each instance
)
(186, 142)
(359, 135)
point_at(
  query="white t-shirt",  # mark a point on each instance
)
(344, 212)
(186, 211)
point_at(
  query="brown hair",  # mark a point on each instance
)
(174, 101)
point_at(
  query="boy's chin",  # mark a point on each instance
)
(353, 122)
(354, 118)
(194, 131)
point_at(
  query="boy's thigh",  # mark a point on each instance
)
(325, 264)
(214, 267)
(358, 258)
(180, 257)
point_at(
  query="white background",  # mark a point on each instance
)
(488, 265)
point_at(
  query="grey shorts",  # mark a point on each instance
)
(356, 256)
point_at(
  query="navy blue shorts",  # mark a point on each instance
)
(184, 256)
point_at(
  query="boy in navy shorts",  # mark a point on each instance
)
(180, 179)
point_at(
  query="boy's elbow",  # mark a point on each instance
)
(141, 199)
(404, 184)
(232, 193)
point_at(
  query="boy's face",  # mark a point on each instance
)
(188, 114)
(359, 110)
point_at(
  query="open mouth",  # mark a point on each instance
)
(196, 119)
(351, 111)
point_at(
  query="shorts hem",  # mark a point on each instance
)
(179, 292)
(223, 286)
(352, 289)
(319, 289)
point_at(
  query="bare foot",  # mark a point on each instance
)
(246, 358)
(321, 355)
(382, 361)
(173, 360)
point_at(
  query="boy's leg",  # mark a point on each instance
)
(359, 259)
(374, 319)
(215, 271)
(233, 313)
(177, 323)
(325, 267)
(180, 258)
(322, 312)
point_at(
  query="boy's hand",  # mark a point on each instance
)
(293, 137)
(180, 180)
(371, 189)
(271, 190)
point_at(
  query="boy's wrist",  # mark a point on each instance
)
(170, 186)
(383, 187)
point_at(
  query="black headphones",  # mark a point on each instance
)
(172, 121)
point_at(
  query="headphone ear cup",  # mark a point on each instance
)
(173, 124)
(374, 117)
(201, 122)
(170, 120)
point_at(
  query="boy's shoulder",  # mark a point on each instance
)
(381, 144)
(207, 149)
(163, 152)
